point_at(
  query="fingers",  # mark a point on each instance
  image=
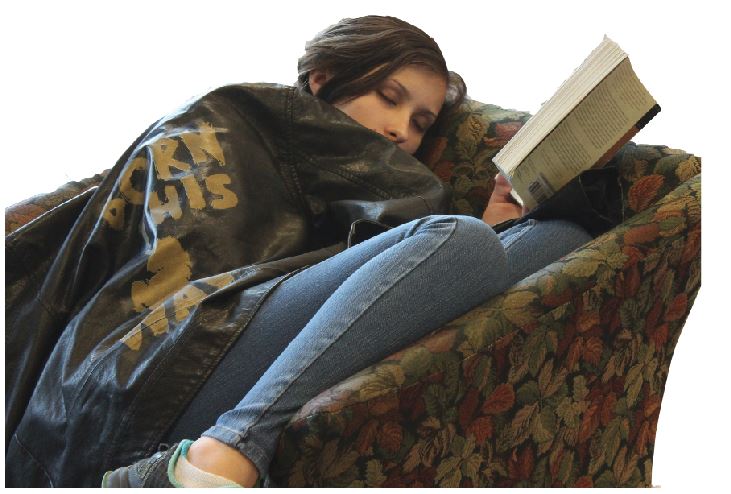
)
(502, 189)
(502, 186)
(500, 180)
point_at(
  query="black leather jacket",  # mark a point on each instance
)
(121, 302)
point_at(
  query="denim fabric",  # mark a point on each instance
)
(337, 317)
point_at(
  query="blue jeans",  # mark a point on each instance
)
(337, 317)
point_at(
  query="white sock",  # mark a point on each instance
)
(188, 475)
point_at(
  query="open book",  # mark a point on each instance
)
(591, 115)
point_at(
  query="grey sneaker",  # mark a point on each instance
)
(155, 471)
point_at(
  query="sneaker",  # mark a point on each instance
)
(155, 471)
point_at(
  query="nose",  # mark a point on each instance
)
(397, 129)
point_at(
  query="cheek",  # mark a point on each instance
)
(411, 146)
(362, 111)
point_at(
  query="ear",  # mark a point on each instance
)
(317, 79)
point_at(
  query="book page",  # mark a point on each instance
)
(600, 62)
(584, 136)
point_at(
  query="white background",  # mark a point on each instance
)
(82, 79)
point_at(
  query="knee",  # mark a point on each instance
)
(473, 244)
(474, 231)
(465, 229)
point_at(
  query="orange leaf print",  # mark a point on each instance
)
(593, 350)
(607, 411)
(644, 436)
(589, 423)
(587, 320)
(383, 404)
(435, 151)
(468, 406)
(654, 315)
(366, 436)
(507, 130)
(360, 414)
(642, 234)
(677, 308)
(390, 437)
(659, 335)
(575, 351)
(441, 341)
(651, 405)
(521, 467)
(500, 400)
(584, 481)
(481, 428)
(632, 281)
(667, 214)
(644, 192)
(503, 133)
(692, 246)
(634, 255)
(443, 170)
(555, 299)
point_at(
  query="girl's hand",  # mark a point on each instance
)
(501, 206)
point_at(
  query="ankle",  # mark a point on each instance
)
(213, 456)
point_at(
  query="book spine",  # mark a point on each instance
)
(604, 159)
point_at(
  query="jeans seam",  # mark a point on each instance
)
(245, 433)
(512, 239)
(240, 445)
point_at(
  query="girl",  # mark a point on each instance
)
(329, 321)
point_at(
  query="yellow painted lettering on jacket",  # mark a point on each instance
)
(156, 320)
(194, 192)
(163, 152)
(216, 185)
(203, 144)
(114, 213)
(185, 298)
(170, 207)
(219, 280)
(171, 268)
(133, 339)
(126, 188)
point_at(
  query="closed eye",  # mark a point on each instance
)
(388, 100)
(419, 127)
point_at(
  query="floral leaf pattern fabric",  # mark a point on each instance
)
(567, 395)
(556, 382)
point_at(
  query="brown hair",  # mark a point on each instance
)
(362, 52)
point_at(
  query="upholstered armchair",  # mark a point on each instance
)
(556, 382)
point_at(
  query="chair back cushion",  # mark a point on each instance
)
(461, 152)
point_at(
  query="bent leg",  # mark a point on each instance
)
(382, 299)
(466, 246)
(435, 270)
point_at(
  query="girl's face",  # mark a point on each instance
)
(401, 109)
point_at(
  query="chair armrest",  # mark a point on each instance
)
(25, 211)
(461, 152)
(649, 172)
(556, 382)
